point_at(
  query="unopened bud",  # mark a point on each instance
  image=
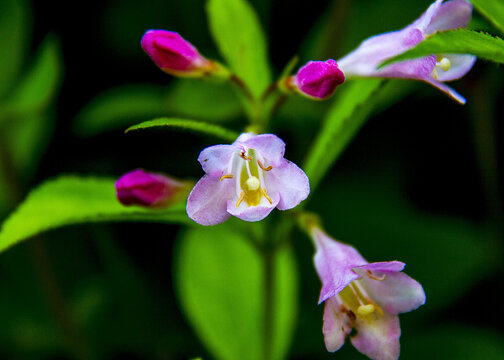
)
(317, 79)
(176, 56)
(139, 187)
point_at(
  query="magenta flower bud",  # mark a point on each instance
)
(318, 79)
(139, 187)
(174, 55)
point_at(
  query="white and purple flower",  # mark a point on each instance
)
(247, 179)
(361, 296)
(434, 69)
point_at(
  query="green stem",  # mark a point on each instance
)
(269, 301)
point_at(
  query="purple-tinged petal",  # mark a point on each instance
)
(207, 201)
(451, 15)
(139, 187)
(423, 22)
(394, 292)
(336, 325)
(410, 69)
(384, 266)
(460, 65)
(334, 262)
(378, 336)
(252, 213)
(269, 146)
(215, 159)
(446, 89)
(319, 79)
(290, 182)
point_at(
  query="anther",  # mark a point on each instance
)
(263, 190)
(245, 157)
(240, 199)
(264, 168)
(229, 176)
(371, 276)
(365, 310)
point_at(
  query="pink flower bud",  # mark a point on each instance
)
(318, 79)
(174, 55)
(139, 187)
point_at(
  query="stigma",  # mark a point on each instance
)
(442, 63)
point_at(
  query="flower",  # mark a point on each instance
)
(434, 69)
(176, 56)
(363, 296)
(139, 187)
(316, 79)
(247, 179)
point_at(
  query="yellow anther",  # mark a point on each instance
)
(252, 184)
(444, 64)
(365, 310)
(263, 190)
(240, 199)
(264, 168)
(229, 176)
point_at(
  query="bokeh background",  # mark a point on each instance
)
(420, 182)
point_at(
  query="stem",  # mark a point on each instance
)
(269, 301)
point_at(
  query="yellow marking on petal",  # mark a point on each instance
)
(365, 310)
(263, 190)
(240, 199)
(229, 176)
(264, 168)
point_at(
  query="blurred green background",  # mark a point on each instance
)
(420, 183)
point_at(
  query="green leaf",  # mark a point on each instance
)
(34, 93)
(185, 124)
(14, 28)
(459, 41)
(349, 112)
(220, 283)
(241, 41)
(124, 106)
(69, 200)
(493, 10)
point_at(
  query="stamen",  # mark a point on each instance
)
(242, 196)
(444, 64)
(365, 310)
(371, 276)
(263, 190)
(434, 74)
(264, 168)
(228, 176)
(245, 157)
(350, 314)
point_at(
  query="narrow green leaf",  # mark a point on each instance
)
(459, 41)
(241, 41)
(124, 106)
(220, 283)
(493, 10)
(14, 30)
(69, 200)
(345, 118)
(192, 125)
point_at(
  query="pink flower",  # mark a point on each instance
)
(139, 187)
(434, 69)
(174, 55)
(363, 296)
(317, 79)
(247, 179)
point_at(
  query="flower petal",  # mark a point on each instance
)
(269, 146)
(384, 266)
(336, 325)
(215, 159)
(396, 293)
(446, 89)
(252, 213)
(290, 182)
(451, 15)
(378, 336)
(460, 65)
(334, 262)
(207, 201)
(423, 22)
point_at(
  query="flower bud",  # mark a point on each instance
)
(317, 79)
(139, 187)
(176, 56)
